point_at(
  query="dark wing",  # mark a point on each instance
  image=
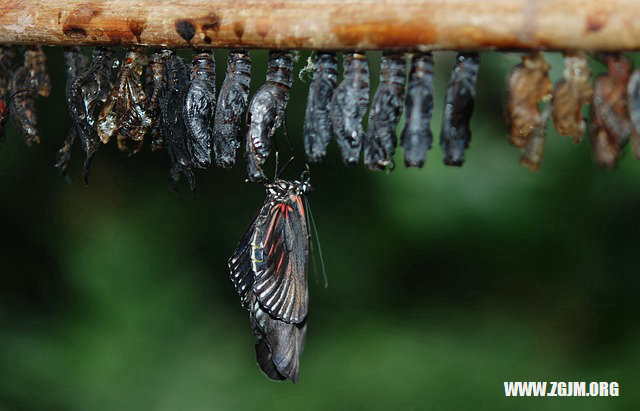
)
(278, 344)
(281, 275)
(240, 264)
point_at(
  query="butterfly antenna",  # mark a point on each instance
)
(312, 248)
(284, 168)
(315, 234)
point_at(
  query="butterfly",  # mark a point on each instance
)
(269, 272)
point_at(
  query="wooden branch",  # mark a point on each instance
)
(327, 24)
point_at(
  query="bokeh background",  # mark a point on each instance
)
(443, 282)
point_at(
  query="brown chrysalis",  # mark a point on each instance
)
(611, 125)
(527, 85)
(570, 94)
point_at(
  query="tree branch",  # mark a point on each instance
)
(327, 24)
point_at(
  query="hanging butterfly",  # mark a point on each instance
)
(29, 81)
(269, 272)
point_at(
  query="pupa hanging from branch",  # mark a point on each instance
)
(267, 112)
(231, 108)
(528, 84)
(155, 87)
(200, 107)
(611, 126)
(174, 133)
(76, 63)
(30, 81)
(416, 137)
(570, 94)
(124, 113)
(88, 91)
(461, 90)
(317, 130)
(349, 105)
(380, 140)
(633, 100)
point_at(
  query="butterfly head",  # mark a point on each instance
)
(280, 190)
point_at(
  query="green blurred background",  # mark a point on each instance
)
(443, 282)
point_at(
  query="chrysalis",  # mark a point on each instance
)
(90, 89)
(455, 135)
(416, 137)
(124, 113)
(380, 141)
(611, 126)
(570, 94)
(527, 85)
(200, 107)
(174, 134)
(633, 95)
(155, 86)
(28, 82)
(317, 123)
(349, 105)
(267, 112)
(269, 272)
(76, 63)
(231, 108)
(6, 60)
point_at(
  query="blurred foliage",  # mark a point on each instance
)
(443, 282)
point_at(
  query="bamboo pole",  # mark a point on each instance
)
(327, 24)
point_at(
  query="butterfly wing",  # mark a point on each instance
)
(240, 263)
(281, 276)
(278, 344)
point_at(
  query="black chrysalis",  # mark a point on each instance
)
(349, 105)
(380, 141)
(156, 84)
(174, 133)
(269, 272)
(317, 130)
(231, 108)
(461, 90)
(267, 112)
(28, 82)
(124, 112)
(90, 89)
(76, 63)
(416, 137)
(200, 107)
(6, 62)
